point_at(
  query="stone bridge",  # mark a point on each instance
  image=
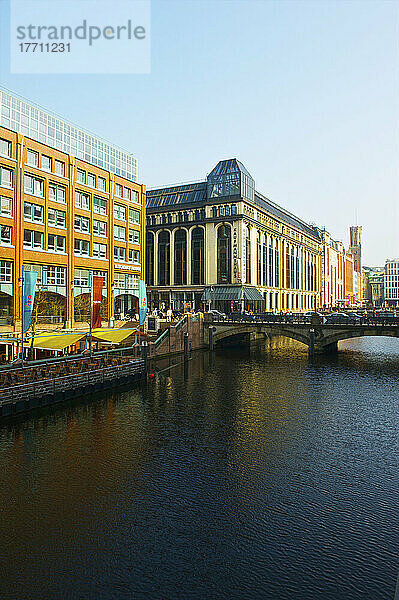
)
(318, 336)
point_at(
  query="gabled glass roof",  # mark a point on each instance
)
(232, 165)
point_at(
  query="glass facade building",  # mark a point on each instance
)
(40, 125)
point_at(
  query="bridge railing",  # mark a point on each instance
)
(301, 319)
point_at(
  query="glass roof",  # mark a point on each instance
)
(231, 165)
(178, 194)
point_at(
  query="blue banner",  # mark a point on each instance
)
(29, 283)
(143, 302)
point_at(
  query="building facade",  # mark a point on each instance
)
(337, 270)
(373, 286)
(221, 243)
(68, 219)
(391, 283)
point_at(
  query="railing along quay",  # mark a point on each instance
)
(84, 379)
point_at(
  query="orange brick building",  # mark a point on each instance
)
(67, 219)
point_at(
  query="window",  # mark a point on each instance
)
(164, 258)
(5, 177)
(59, 168)
(56, 193)
(134, 256)
(233, 209)
(82, 224)
(91, 180)
(33, 212)
(99, 228)
(224, 254)
(101, 183)
(119, 232)
(33, 186)
(5, 234)
(134, 236)
(81, 278)
(81, 247)
(5, 271)
(80, 176)
(119, 212)
(100, 205)
(119, 253)
(118, 190)
(197, 256)
(227, 210)
(55, 275)
(46, 163)
(134, 216)
(180, 257)
(99, 250)
(248, 271)
(149, 257)
(214, 211)
(82, 200)
(127, 193)
(56, 242)
(33, 239)
(5, 206)
(32, 158)
(135, 196)
(56, 218)
(5, 147)
(221, 211)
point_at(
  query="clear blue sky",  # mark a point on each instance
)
(305, 94)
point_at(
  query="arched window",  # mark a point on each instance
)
(224, 254)
(248, 256)
(164, 258)
(180, 257)
(258, 260)
(197, 256)
(149, 257)
(264, 262)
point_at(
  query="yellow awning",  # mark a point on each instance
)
(112, 335)
(55, 341)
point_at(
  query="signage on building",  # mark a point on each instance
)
(127, 267)
(236, 265)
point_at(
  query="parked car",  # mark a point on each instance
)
(219, 316)
(342, 318)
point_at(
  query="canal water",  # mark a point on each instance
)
(250, 474)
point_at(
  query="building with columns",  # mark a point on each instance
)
(70, 208)
(220, 243)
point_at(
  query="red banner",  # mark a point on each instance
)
(97, 292)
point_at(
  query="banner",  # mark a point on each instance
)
(29, 282)
(96, 296)
(143, 302)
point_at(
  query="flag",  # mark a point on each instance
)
(29, 283)
(143, 302)
(96, 295)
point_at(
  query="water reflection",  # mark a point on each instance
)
(249, 473)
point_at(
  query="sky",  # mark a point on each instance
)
(305, 94)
